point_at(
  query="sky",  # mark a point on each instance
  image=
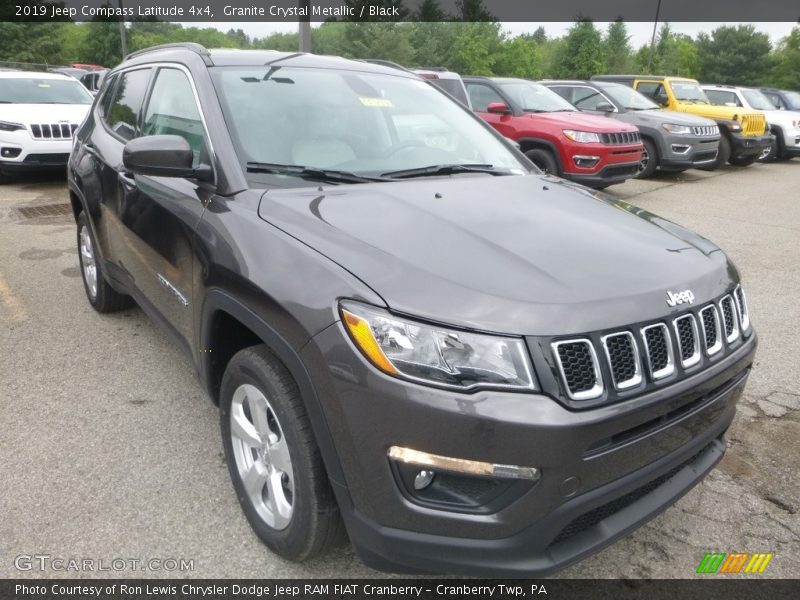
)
(640, 32)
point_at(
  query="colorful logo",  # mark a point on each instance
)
(734, 562)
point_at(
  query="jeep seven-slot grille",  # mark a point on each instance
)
(578, 364)
(660, 347)
(705, 130)
(53, 131)
(624, 137)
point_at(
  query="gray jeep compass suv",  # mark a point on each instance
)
(413, 336)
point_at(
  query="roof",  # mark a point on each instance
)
(229, 57)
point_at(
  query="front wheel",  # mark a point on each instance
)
(544, 160)
(273, 459)
(649, 162)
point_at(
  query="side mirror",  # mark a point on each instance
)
(498, 108)
(163, 156)
(605, 107)
(661, 99)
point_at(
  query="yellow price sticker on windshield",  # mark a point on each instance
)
(43, 85)
(379, 102)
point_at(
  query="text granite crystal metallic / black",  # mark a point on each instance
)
(410, 332)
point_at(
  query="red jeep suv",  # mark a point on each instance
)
(589, 149)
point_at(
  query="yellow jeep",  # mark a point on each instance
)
(745, 135)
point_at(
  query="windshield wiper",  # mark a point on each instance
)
(327, 175)
(434, 170)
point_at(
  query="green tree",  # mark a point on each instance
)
(581, 54)
(475, 48)
(519, 57)
(786, 72)
(618, 54)
(735, 55)
(473, 11)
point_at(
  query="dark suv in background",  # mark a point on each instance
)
(470, 366)
(672, 141)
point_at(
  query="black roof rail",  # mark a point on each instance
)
(192, 46)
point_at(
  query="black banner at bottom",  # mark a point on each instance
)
(399, 588)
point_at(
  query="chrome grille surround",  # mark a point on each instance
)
(693, 358)
(741, 308)
(595, 391)
(710, 316)
(730, 318)
(669, 368)
(636, 378)
(705, 130)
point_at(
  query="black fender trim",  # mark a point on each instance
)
(544, 145)
(219, 300)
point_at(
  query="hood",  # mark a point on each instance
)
(583, 121)
(26, 114)
(788, 119)
(714, 111)
(659, 116)
(524, 255)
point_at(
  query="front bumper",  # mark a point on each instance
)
(29, 154)
(688, 152)
(743, 146)
(582, 502)
(609, 175)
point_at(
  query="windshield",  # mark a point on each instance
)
(43, 91)
(688, 90)
(628, 97)
(365, 124)
(534, 97)
(757, 100)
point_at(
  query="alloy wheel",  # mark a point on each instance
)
(88, 264)
(262, 456)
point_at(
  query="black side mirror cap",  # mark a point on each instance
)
(163, 156)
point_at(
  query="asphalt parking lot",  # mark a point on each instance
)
(110, 448)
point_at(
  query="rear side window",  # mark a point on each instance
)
(775, 99)
(128, 97)
(481, 96)
(652, 89)
(172, 110)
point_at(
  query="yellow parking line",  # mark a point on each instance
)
(14, 306)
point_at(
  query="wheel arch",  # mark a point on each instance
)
(249, 329)
(530, 143)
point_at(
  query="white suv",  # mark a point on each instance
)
(39, 113)
(784, 124)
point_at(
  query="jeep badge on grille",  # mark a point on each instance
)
(673, 299)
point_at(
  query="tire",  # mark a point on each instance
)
(544, 159)
(102, 297)
(723, 154)
(287, 500)
(649, 162)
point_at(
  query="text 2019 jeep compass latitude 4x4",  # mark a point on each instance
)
(473, 367)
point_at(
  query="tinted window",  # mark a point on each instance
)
(652, 89)
(454, 87)
(172, 110)
(587, 98)
(122, 114)
(481, 96)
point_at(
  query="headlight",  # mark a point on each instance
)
(677, 129)
(5, 126)
(437, 355)
(583, 137)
